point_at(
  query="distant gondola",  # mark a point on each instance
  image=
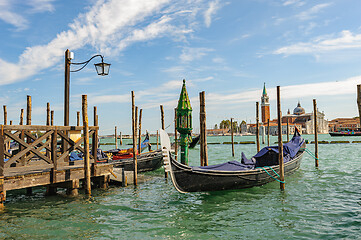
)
(194, 142)
(258, 170)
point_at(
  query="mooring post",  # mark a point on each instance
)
(21, 117)
(257, 126)
(135, 165)
(203, 129)
(136, 129)
(268, 132)
(280, 142)
(120, 138)
(78, 118)
(11, 122)
(5, 115)
(288, 131)
(115, 137)
(29, 190)
(86, 145)
(2, 165)
(359, 101)
(315, 129)
(51, 190)
(48, 124)
(162, 122)
(157, 139)
(95, 141)
(52, 118)
(162, 116)
(232, 137)
(175, 135)
(263, 133)
(140, 132)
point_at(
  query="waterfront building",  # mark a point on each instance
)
(343, 123)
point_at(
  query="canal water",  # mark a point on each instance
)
(323, 203)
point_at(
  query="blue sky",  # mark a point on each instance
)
(312, 49)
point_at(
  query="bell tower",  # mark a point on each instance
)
(265, 105)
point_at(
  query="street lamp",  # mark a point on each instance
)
(102, 69)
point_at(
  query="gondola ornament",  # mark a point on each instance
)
(184, 122)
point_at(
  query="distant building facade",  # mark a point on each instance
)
(300, 119)
(343, 123)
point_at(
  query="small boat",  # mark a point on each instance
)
(117, 154)
(259, 170)
(148, 161)
(346, 132)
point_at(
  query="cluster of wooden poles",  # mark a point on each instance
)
(280, 141)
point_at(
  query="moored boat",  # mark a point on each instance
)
(259, 170)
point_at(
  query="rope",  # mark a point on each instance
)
(309, 153)
(271, 175)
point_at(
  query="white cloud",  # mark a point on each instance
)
(9, 15)
(213, 7)
(345, 40)
(297, 3)
(41, 5)
(191, 54)
(109, 27)
(310, 13)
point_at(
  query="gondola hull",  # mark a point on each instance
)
(187, 179)
(145, 162)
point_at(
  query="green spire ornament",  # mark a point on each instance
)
(184, 122)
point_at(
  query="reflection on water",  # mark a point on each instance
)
(321, 203)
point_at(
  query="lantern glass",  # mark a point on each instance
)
(102, 68)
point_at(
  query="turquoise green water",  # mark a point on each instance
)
(323, 203)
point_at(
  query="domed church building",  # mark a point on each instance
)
(305, 120)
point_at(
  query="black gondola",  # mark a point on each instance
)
(194, 142)
(148, 161)
(259, 170)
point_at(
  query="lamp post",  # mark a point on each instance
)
(184, 122)
(102, 69)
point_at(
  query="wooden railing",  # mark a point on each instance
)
(40, 143)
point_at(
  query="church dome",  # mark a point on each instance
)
(299, 110)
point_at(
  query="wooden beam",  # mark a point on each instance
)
(257, 126)
(232, 137)
(315, 129)
(280, 143)
(203, 129)
(140, 131)
(135, 165)
(86, 145)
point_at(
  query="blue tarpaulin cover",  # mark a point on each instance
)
(290, 150)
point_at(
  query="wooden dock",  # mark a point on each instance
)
(39, 159)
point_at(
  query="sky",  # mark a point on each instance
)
(228, 48)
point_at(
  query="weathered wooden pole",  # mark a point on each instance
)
(48, 114)
(232, 137)
(162, 116)
(5, 115)
(157, 139)
(315, 129)
(280, 143)
(162, 122)
(87, 185)
(175, 135)
(288, 131)
(95, 115)
(29, 190)
(28, 110)
(257, 126)
(268, 132)
(263, 133)
(11, 122)
(115, 137)
(52, 118)
(359, 101)
(120, 138)
(78, 118)
(135, 166)
(136, 129)
(2, 166)
(203, 129)
(140, 131)
(103, 183)
(21, 117)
